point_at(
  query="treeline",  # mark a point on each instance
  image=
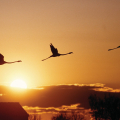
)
(106, 108)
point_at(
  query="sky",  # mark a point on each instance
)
(87, 28)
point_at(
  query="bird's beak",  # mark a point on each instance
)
(19, 61)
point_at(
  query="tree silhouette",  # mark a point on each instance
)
(105, 108)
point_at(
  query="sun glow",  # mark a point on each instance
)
(19, 84)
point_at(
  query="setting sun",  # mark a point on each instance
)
(19, 84)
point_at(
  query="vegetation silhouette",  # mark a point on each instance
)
(60, 117)
(3, 62)
(106, 108)
(114, 48)
(34, 117)
(65, 116)
(55, 52)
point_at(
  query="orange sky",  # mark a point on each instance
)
(87, 28)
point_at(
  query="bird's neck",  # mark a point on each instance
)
(11, 62)
(66, 53)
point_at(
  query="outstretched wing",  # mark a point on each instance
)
(1, 57)
(114, 48)
(53, 49)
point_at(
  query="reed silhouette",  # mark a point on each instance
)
(34, 117)
(55, 52)
(60, 117)
(4, 62)
(105, 108)
(64, 116)
(114, 48)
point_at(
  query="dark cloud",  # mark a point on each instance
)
(55, 96)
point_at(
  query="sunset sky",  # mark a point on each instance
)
(88, 28)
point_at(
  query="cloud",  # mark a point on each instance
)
(107, 89)
(80, 85)
(60, 97)
(56, 110)
(52, 109)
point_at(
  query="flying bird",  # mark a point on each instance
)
(55, 52)
(4, 62)
(114, 48)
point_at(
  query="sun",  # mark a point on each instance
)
(19, 84)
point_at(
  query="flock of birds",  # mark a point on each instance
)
(53, 50)
(54, 54)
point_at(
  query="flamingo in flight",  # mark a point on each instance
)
(114, 48)
(4, 62)
(55, 52)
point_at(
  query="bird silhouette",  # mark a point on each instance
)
(55, 52)
(4, 62)
(114, 48)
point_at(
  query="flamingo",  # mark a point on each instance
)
(55, 52)
(4, 62)
(114, 48)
